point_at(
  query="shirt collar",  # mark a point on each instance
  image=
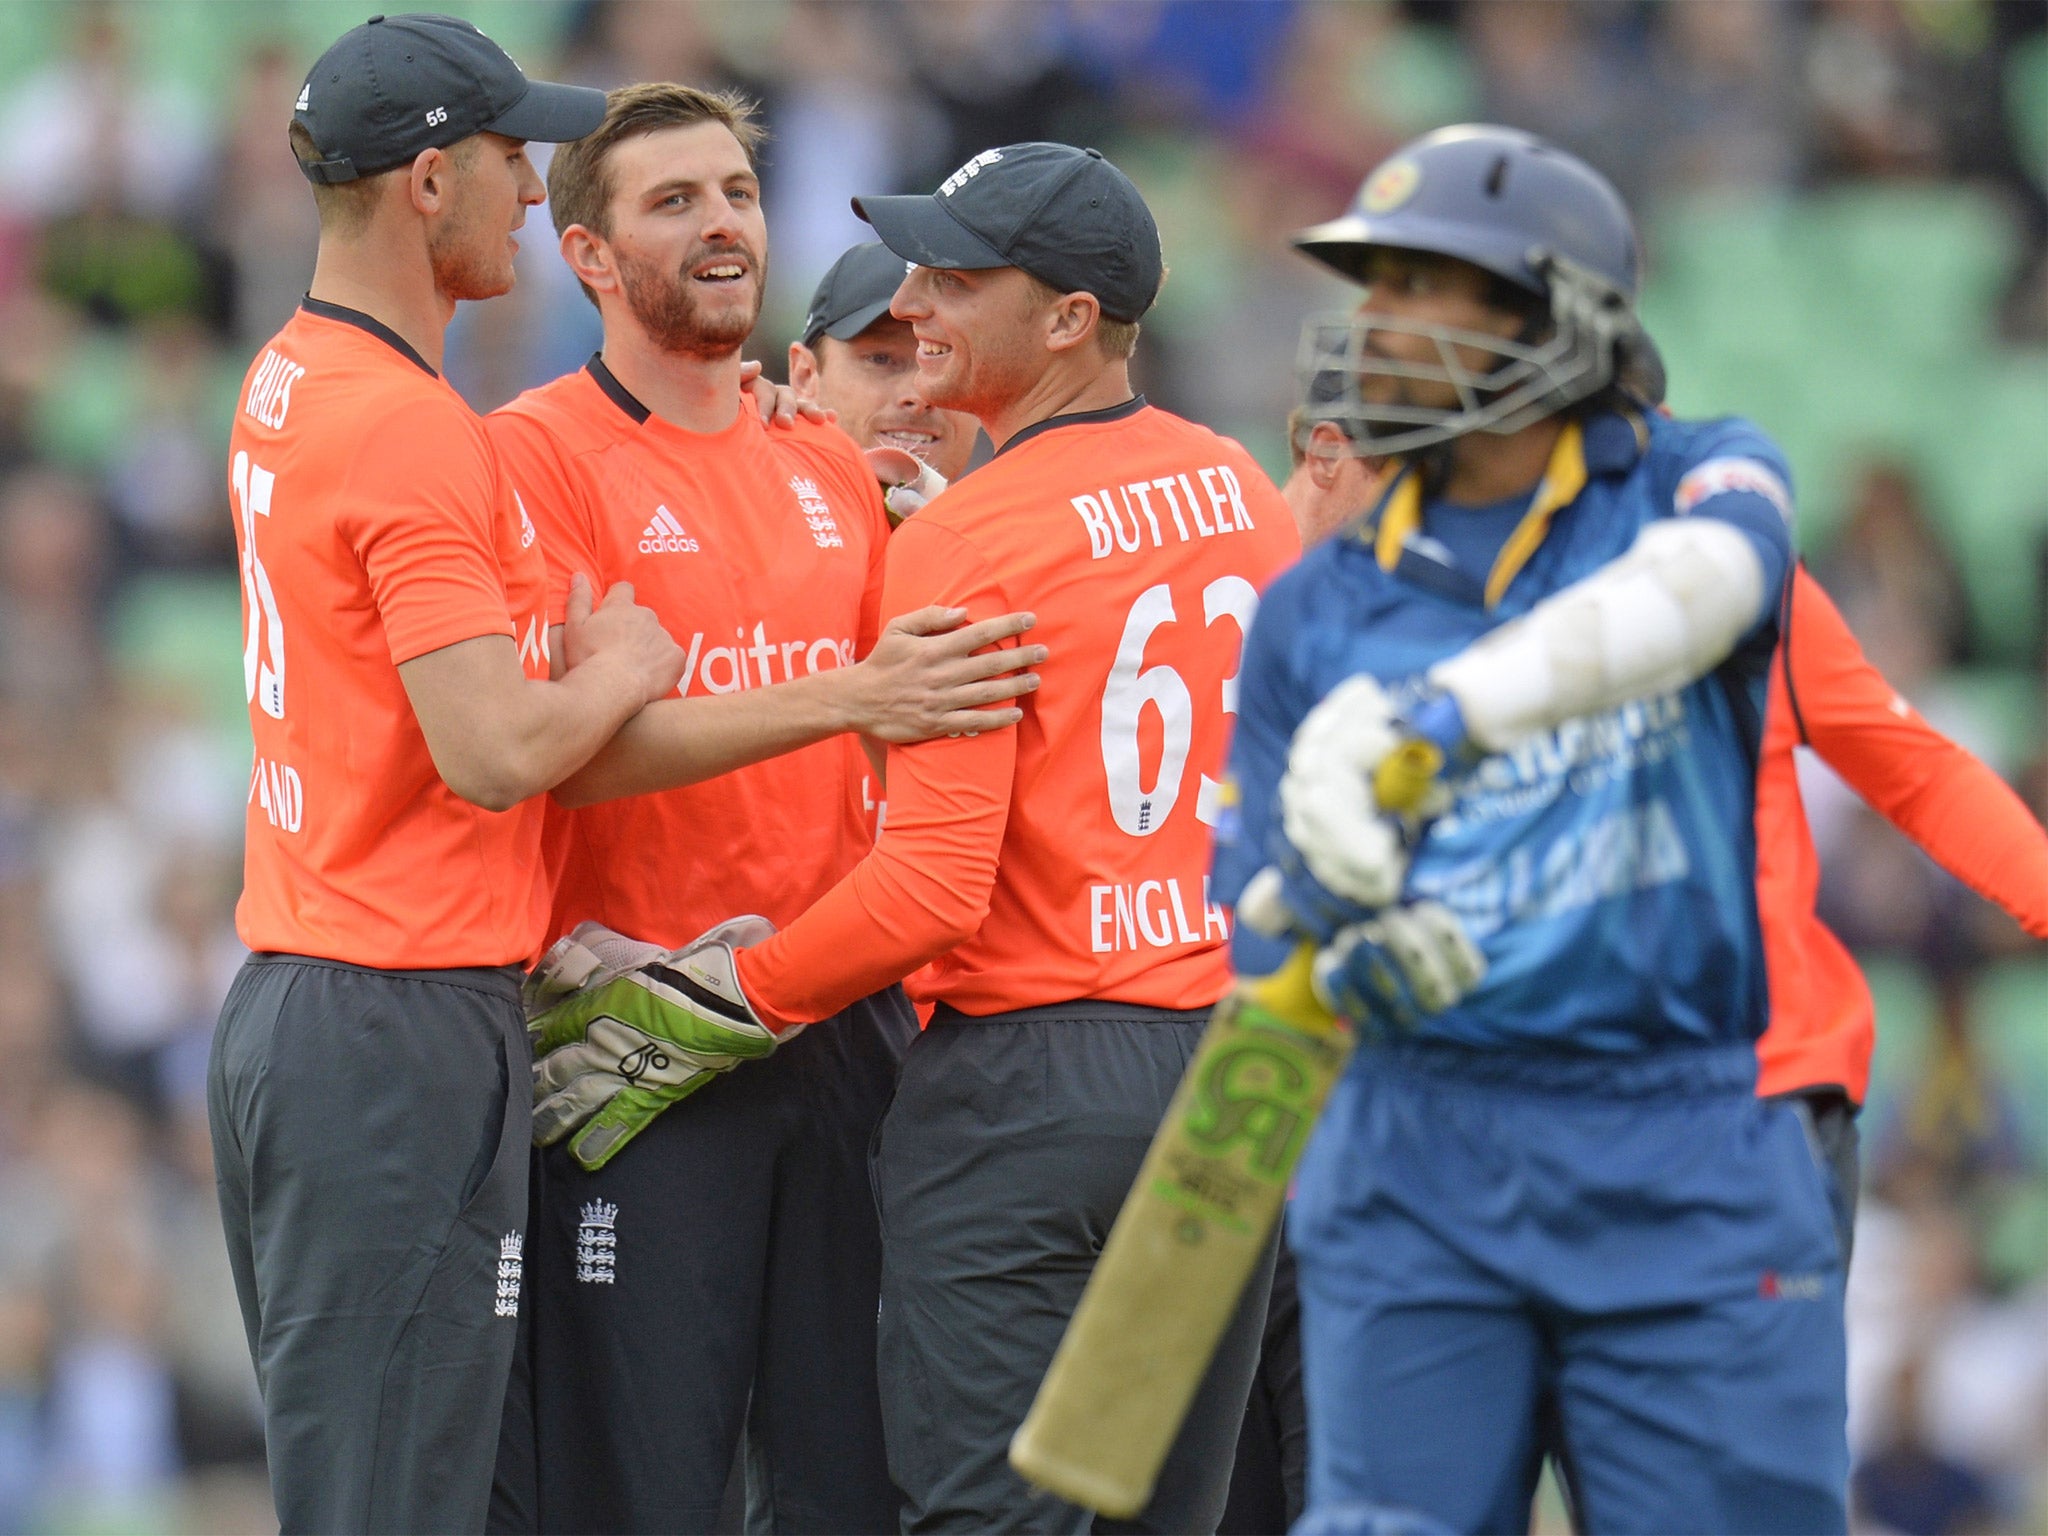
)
(1606, 443)
(1130, 407)
(373, 325)
(614, 391)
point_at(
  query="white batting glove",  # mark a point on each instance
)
(1329, 812)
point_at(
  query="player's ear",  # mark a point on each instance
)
(590, 257)
(803, 371)
(429, 181)
(1326, 455)
(1071, 320)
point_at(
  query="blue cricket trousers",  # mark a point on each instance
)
(1632, 1263)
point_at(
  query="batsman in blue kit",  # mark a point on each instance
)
(1544, 1213)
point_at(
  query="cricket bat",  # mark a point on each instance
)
(1197, 1219)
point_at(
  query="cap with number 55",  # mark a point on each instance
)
(399, 84)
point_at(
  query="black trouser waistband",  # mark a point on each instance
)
(502, 979)
(1081, 1011)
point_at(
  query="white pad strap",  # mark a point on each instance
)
(1666, 612)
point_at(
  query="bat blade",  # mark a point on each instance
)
(1196, 1222)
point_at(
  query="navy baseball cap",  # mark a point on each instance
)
(399, 84)
(1065, 215)
(854, 293)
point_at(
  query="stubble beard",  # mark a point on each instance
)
(456, 250)
(666, 306)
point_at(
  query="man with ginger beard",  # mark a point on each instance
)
(685, 1265)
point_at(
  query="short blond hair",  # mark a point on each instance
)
(344, 206)
(1116, 338)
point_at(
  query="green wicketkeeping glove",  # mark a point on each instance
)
(621, 1030)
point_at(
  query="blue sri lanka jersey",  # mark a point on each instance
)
(1607, 869)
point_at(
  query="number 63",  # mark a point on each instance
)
(1132, 685)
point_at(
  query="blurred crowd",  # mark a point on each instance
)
(1844, 207)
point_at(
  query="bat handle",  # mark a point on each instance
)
(1290, 993)
(1404, 776)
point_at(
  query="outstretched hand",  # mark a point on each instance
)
(931, 675)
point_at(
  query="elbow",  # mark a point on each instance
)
(485, 792)
(493, 784)
(952, 929)
(959, 915)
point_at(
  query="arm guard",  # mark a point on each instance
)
(1666, 612)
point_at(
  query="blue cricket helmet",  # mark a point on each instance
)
(1540, 220)
(1499, 198)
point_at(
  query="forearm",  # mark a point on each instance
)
(884, 920)
(1963, 815)
(923, 890)
(673, 742)
(498, 737)
(565, 722)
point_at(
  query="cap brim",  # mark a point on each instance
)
(848, 326)
(551, 114)
(919, 229)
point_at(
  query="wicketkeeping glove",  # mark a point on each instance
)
(1386, 974)
(622, 1029)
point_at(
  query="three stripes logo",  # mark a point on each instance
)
(663, 535)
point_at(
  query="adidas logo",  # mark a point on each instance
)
(663, 535)
(305, 98)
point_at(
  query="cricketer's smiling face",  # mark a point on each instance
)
(689, 237)
(872, 382)
(981, 336)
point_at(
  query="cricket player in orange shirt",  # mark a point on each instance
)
(1054, 875)
(723, 1265)
(1825, 694)
(368, 1078)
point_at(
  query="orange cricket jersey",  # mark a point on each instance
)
(1067, 858)
(373, 526)
(762, 554)
(1826, 695)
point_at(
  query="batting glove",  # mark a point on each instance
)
(1360, 782)
(622, 1029)
(1387, 974)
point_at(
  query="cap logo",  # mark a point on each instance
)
(305, 100)
(1389, 187)
(969, 171)
(436, 116)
